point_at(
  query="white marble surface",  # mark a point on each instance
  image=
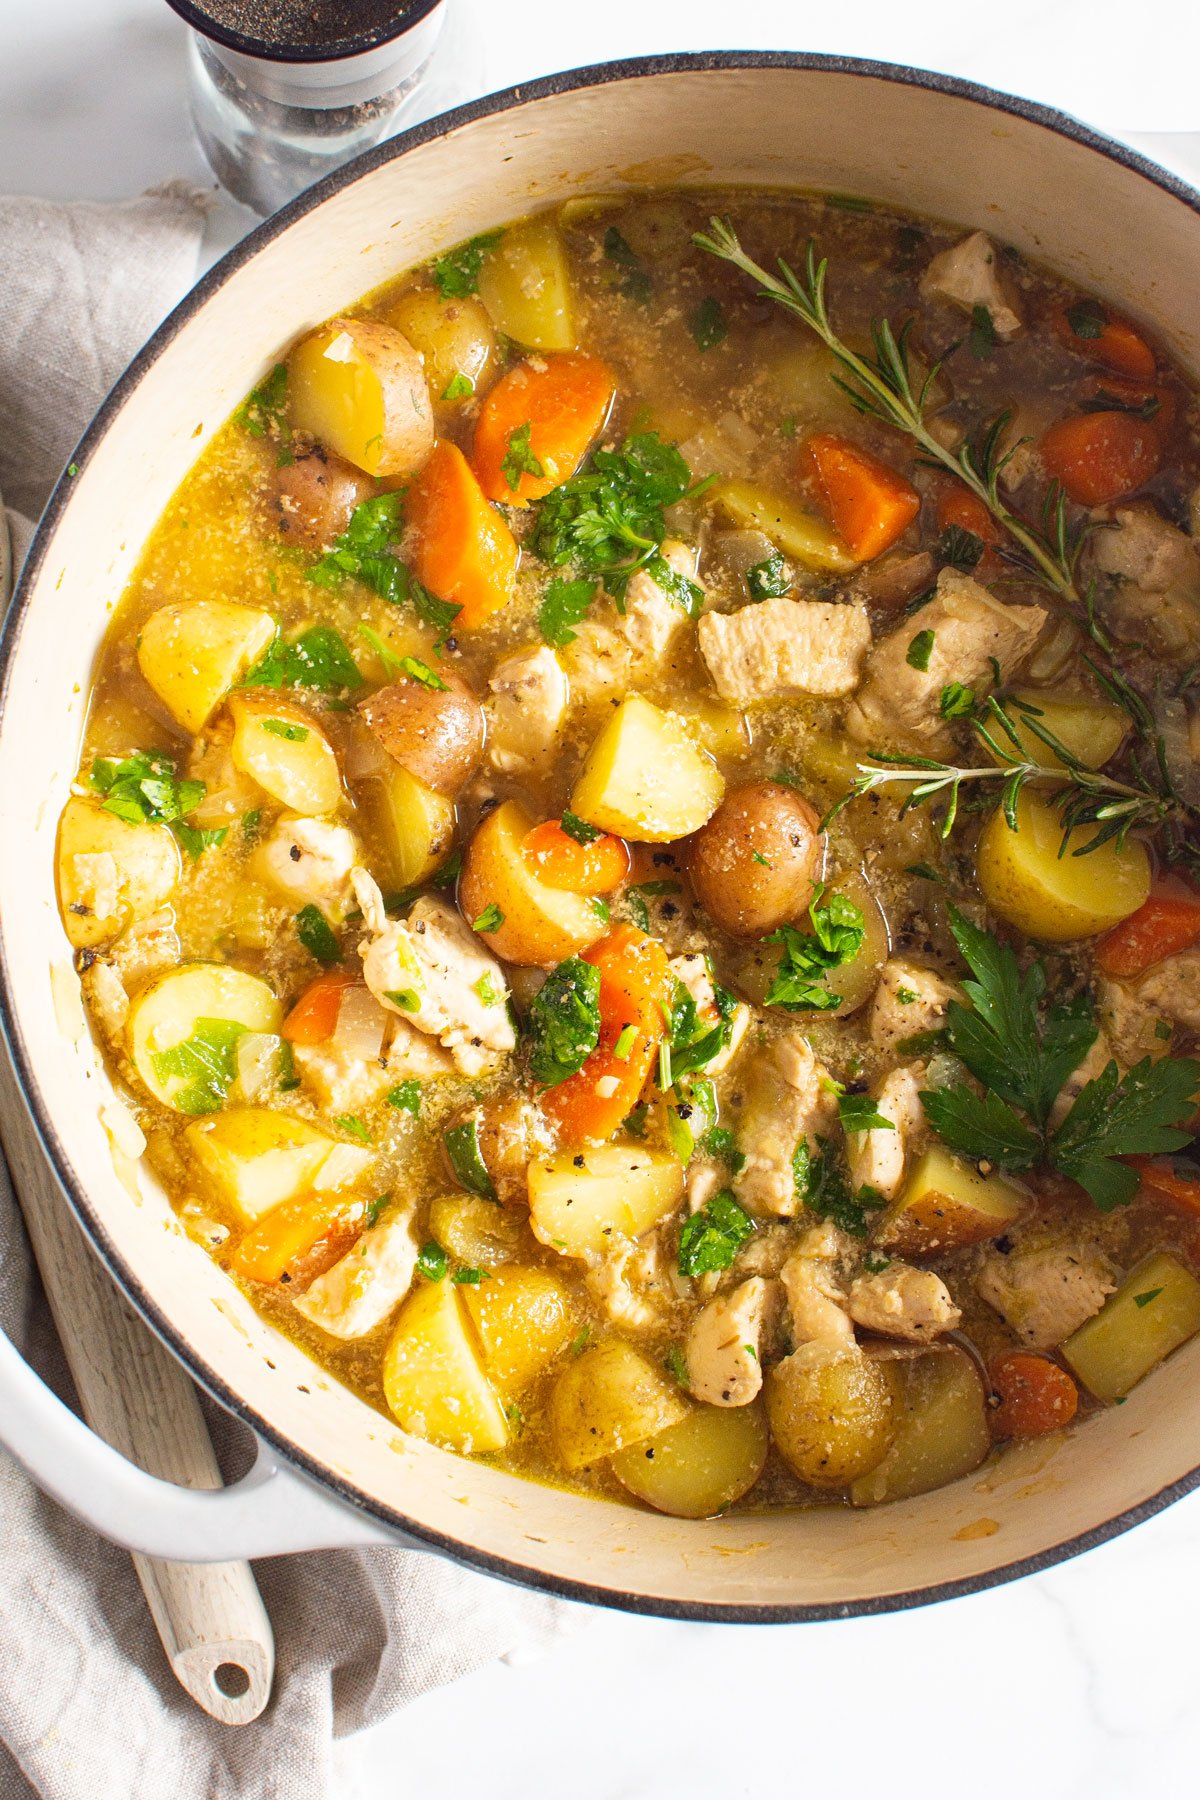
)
(1075, 1685)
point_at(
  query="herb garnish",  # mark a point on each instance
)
(564, 1021)
(143, 788)
(634, 282)
(457, 273)
(317, 935)
(711, 1238)
(519, 458)
(406, 1097)
(768, 580)
(206, 1063)
(579, 829)
(823, 1187)
(490, 919)
(263, 414)
(707, 323)
(364, 551)
(836, 938)
(318, 659)
(564, 603)
(432, 1262)
(858, 1112)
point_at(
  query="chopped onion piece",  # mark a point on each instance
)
(257, 1063)
(343, 1166)
(361, 1023)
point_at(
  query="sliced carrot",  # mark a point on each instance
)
(464, 552)
(1101, 456)
(561, 862)
(868, 504)
(315, 1014)
(635, 990)
(299, 1238)
(1033, 1394)
(540, 416)
(1162, 1178)
(1156, 403)
(1168, 922)
(1107, 339)
(957, 505)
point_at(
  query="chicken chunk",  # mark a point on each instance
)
(652, 620)
(627, 1283)
(343, 1082)
(309, 860)
(878, 1158)
(1171, 989)
(526, 710)
(968, 633)
(815, 1298)
(789, 1097)
(908, 999)
(903, 1302)
(1132, 1026)
(694, 970)
(1136, 544)
(366, 1284)
(599, 663)
(1045, 1292)
(782, 647)
(724, 1360)
(969, 275)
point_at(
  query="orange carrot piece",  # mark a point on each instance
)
(548, 415)
(1116, 344)
(1168, 922)
(464, 553)
(868, 504)
(1178, 1183)
(635, 990)
(1157, 402)
(1101, 456)
(314, 1016)
(1033, 1394)
(563, 863)
(299, 1237)
(957, 505)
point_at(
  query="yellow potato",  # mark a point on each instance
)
(523, 1318)
(1155, 1309)
(432, 1378)
(1092, 730)
(283, 749)
(831, 1412)
(200, 1001)
(644, 778)
(525, 283)
(946, 1204)
(1057, 898)
(800, 372)
(256, 1157)
(940, 1428)
(800, 535)
(109, 871)
(455, 338)
(415, 823)
(359, 388)
(542, 925)
(192, 655)
(607, 1398)
(578, 1202)
(479, 1232)
(702, 1465)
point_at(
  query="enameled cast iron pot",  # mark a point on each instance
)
(1090, 210)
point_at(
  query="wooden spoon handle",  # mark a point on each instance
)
(210, 1616)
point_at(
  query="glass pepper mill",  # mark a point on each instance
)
(284, 91)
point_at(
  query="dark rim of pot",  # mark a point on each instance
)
(150, 1308)
(196, 15)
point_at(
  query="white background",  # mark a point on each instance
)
(1077, 1685)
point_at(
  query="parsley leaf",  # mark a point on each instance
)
(564, 1021)
(707, 323)
(711, 1238)
(579, 829)
(353, 1127)
(196, 841)
(143, 788)
(959, 548)
(858, 1112)
(490, 919)
(406, 1097)
(634, 282)
(956, 700)
(1136, 1114)
(205, 1063)
(1087, 319)
(316, 934)
(413, 667)
(981, 1126)
(432, 1262)
(459, 387)
(800, 983)
(519, 459)
(982, 335)
(286, 728)
(768, 580)
(823, 1187)
(364, 551)
(457, 273)
(262, 414)
(318, 659)
(608, 521)
(564, 603)
(920, 650)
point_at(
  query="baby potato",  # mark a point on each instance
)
(195, 1001)
(579, 1202)
(525, 284)
(192, 655)
(455, 338)
(754, 864)
(415, 822)
(940, 1429)
(801, 536)
(608, 1397)
(541, 925)
(313, 497)
(110, 872)
(697, 1468)
(479, 1232)
(256, 1157)
(281, 746)
(432, 1378)
(1092, 730)
(644, 779)
(524, 1319)
(359, 388)
(1057, 898)
(831, 1413)
(435, 733)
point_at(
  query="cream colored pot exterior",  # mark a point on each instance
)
(1096, 215)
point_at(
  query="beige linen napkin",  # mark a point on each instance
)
(88, 1708)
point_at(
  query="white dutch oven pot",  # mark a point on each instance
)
(1088, 209)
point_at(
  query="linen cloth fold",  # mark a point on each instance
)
(88, 1707)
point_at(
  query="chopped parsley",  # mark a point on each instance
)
(858, 1112)
(519, 459)
(419, 671)
(823, 1187)
(1140, 1300)
(633, 281)
(959, 548)
(707, 323)
(675, 1363)
(800, 983)
(353, 1127)
(469, 1277)
(205, 1063)
(1087, 319)
(196, 841)
(144, 789)
(982, 335)
(711, 1238)
(579, 829)
(459, 387)
(406, 1097)
(956, 700)
(490, 919)
(317, 935)
(564, 1021)
(432, 1262)
(364, 551)
(720, 1142)
(487, 990)
(318, 659)
(920, 650)
(287, 729)
(768, 580)
(405, 999)
(564, 604)
(456, 274)
(693, 1043)
(263, 413)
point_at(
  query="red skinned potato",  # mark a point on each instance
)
(435, 733)
(359, 388)
(313, 497)
(755, 864)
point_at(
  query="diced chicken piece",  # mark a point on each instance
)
(343, 1082)
(1171, 989)
(877, 1158)
(627, 1282)
(149, 946)
(1138, 545)
(366, 1284)
(652, 619)
(780, 647)
(724, 1345)
(526, 710)
(1135, 1024)
(908, 999)
(816, 1300)
(694, 970)
(309, 860)
(1093, 1064)
(599, 663)
(969, 633)
(903, 1302)
(1045, 1292)
(766, 1252)
(789, 1097)
(434, 972)
(969, 275)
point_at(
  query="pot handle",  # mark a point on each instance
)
(272, 1511)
